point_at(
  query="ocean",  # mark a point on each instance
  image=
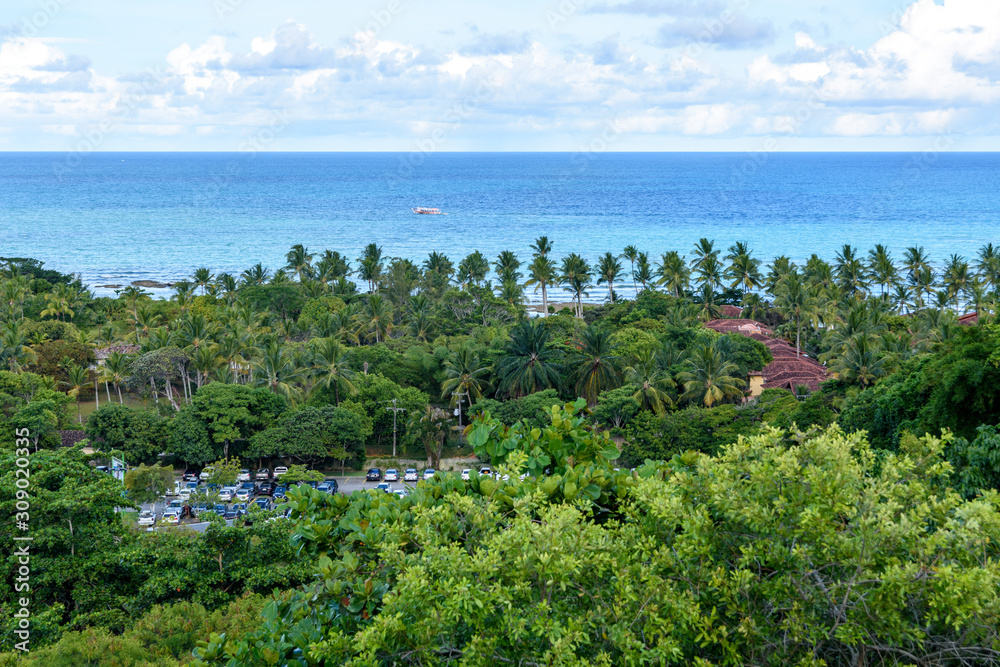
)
(119, 217)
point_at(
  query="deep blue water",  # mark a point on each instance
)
(118, 217)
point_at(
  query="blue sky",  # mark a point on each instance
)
(744, 75)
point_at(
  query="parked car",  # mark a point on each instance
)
(240, 507)
(190, 474)
(185, 491)
(171, 516)
(175, 505)
(199, 508)
(263, 473)
(244, 476)
(244, 495)
(279, 492)
(334, 486)
(410, 475)
(265, 488)
(263, 503)
(392, 475)
(324, 487)
(466, 473)
(232, 513)
(429, 473)
(226, 494)
(206, 472)
(220, 510)
(146, 518)
(374, 475)
(248, 485)
(383, 486)
(486, 471)
(279, 471)
(400, 492)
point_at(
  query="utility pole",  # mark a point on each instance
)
(460, 394)
(394, 411)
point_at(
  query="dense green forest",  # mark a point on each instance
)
(651, 508)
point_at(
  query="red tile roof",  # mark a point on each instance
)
(731, 311)
(969, 319)
(788, 370)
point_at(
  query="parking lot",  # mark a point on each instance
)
(346, 485)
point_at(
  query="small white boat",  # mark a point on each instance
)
(426, 211)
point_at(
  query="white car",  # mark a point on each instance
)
(226, 494)
(244, 495)
(486, 471)
(383, 486)
(410, 475)
(244, 476)
(146, 518)
(400, 492)
(176, 505)
(207, 472)
(279, 471)
(466, 473)
(392, 475)
(429, 473)
(171, 516)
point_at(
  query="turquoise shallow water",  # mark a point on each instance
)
(118, 217)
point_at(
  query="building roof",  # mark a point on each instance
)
(788, 369)
(729, 311)
(105, 352)
(71, 438)
(738, 325)
(969, 319)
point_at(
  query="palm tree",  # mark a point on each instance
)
(465, 375)
(541, 247)
(542, 273)
(473, 269)
(595, 365)
(674, 273)
(438, 271)
(507, 266)
(862, 361)
(276, 370)
(226, 284)
(744, 269)
(754, 306)
(14, 351)
(652, 383)
(957, 279)
(255, 275)
(528, 364)
(371, 266)
(77, 379)
(914, 261)
(299, 260)
(793, 300)
(710, 378)
(779, 268)
(988, 265)
(202, 277)
(881, 267)
(575, 274)
(331, 368)
(643, 270)
(204, 360)
(115, 371)
(512, 292)
(376, 317)
(609, 269)
(631, 253)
